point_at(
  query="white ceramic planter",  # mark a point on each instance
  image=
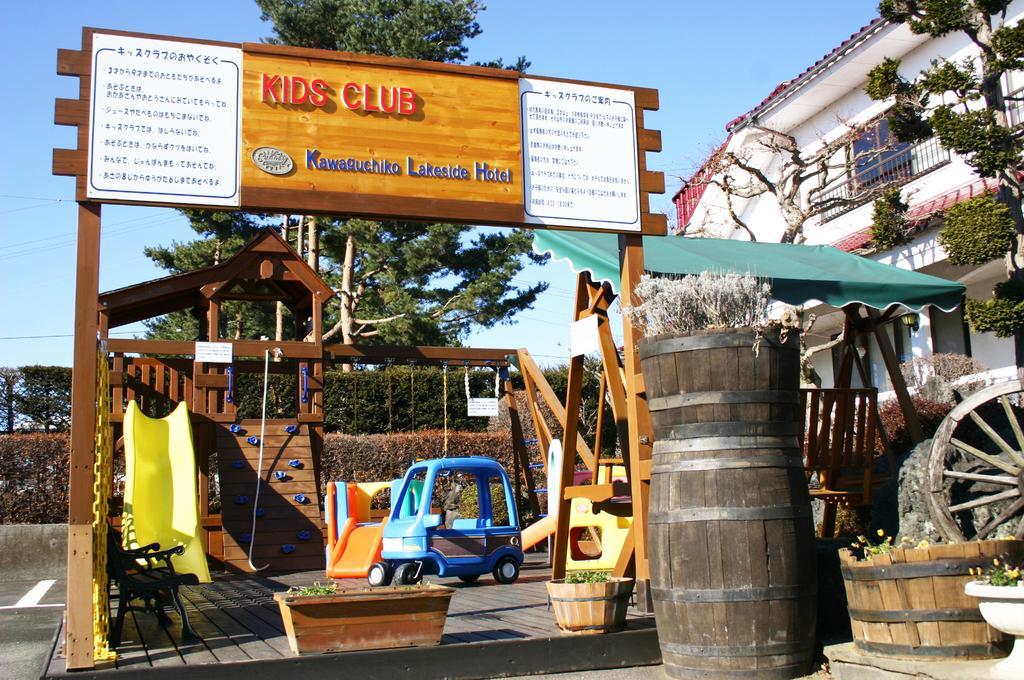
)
(1003, 609)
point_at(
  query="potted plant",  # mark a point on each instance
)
(908, 600)
(326, 618)
(1000, 592)
(722, 384)
(590, 602)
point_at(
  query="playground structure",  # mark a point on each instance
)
(268, 271)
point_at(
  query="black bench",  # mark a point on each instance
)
(146, 573)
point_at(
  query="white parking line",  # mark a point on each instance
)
(32, 597)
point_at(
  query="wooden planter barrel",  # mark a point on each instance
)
(731, 536)
(590, 608)
(911, 603)
(376, 618)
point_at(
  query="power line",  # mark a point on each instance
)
(61, 335)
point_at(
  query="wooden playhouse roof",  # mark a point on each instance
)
(265, 269)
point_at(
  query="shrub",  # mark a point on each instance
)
(1002, 314)
(34, 478)
(929, 412)
(934, 376)
(977, 230)
(889, 220)
(704, 301)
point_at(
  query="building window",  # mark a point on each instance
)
(877, 161)
(877, 158)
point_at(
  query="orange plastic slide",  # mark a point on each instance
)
(535, 533)
(357, 548)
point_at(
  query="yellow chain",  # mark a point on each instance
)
(101, 488)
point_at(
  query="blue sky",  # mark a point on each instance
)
(711, 62)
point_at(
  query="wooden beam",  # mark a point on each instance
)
(899, 385)
(570, 419)
(522, 458)
(641, 435)
(79, 628)
(423, 355)
(527, 364)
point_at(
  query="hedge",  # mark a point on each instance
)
(930, 413)
(34, 478)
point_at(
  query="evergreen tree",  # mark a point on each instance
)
(397, 282)
(964, 104)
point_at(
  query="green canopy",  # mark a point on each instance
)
(798, 273)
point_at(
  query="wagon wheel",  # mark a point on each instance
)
(976, 466)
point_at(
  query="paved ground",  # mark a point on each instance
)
(27, 625)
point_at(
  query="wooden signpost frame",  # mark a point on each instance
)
(79, 642)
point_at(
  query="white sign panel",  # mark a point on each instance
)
(213, 352)
(579, 156)
(482, 406)
(583, 337)
(165, 121)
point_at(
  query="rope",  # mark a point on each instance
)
(102, 478)
(444, 374)
(259, 465)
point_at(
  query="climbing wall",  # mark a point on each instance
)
(289, 529)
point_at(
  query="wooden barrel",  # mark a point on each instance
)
(590, 608)
(911, 603)
(731, 536)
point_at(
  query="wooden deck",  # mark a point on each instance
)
(242, 630)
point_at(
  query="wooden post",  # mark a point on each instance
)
(79, 628)
(570, 430)
(520, 456)
(899, 385)
(641, 435)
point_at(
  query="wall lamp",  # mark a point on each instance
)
(911, 320)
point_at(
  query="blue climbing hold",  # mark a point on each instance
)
(291, 429)
(260, 512)
(246, 538)
(304, 535)
(234, 428)
(241, 500)
(254, 440)
(280, 475)
(300, 498)
(287, 548)
(295, 463)
(238, 464)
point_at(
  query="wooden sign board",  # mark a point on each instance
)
(179, 122)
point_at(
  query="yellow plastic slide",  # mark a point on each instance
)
(160, 500)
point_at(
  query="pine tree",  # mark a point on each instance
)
(964, 104)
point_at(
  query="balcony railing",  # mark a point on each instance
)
(892, 169)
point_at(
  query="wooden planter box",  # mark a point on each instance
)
(398, 616)
(590, 608)
(911, 603)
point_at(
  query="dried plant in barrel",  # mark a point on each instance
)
(731, 534)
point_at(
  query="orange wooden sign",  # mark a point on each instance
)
(180, 122)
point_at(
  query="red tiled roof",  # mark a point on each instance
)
(783, 86)
(919, 215)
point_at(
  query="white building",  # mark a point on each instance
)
(820, 106)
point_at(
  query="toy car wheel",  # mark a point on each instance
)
(379, 574)
(506, 570)
(469, 578)
(405, 574)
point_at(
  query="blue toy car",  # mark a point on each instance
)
(418, 541)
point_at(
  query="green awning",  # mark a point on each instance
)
(798, 273)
